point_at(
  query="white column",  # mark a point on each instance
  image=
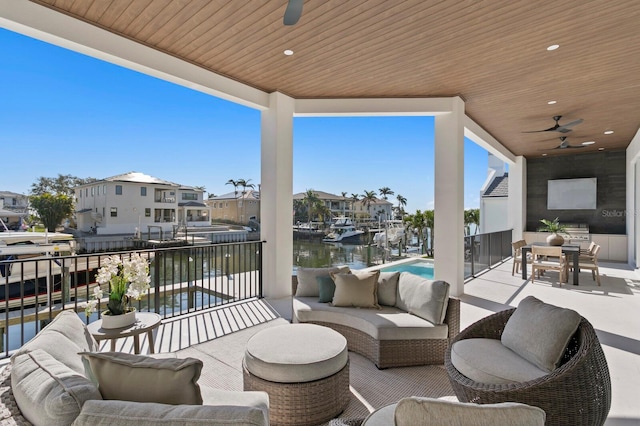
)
(276, 195)
(449, 197)
(517, 215)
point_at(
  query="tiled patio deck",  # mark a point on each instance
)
(612, 309)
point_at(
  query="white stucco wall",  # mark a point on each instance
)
(493, 216)
(633, 200)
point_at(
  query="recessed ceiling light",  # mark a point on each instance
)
(551, 102)
(553, 47)
(544, 155)
(588, 143)
(608, 132)
(288, 52)
(600, 149)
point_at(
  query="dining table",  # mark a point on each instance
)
(572, 250)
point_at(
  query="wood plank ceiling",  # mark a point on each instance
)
(491, 53)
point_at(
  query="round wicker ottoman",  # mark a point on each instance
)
(305, 370)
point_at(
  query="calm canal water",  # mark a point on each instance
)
(316, 254)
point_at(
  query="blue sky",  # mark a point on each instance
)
(65, 113)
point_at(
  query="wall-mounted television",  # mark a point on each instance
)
(572, 194)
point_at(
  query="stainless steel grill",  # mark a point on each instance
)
(576, 233)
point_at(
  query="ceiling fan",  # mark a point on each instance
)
(293, 12)
(564, 145)
(566, 128)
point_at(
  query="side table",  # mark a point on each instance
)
(145, 322)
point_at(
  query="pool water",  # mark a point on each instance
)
(417, 267)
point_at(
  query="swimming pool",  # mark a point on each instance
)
(421, 267)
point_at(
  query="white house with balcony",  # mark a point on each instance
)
(132, 202)
(494, 197)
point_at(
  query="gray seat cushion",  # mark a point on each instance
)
(489, 361)
(296, 353)
(386, 323)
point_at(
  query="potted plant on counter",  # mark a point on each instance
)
(554, 227)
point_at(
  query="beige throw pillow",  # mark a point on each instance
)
(540, 332)
(388, 288)
(356, 290)
(307, 283)
(144, 379)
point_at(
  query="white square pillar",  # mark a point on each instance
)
(449, 197)
(517, 216)
(276, 195)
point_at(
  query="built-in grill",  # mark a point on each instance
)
(576, 233)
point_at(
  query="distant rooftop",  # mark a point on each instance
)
(137, 177)
(248, 194)
(499, 187)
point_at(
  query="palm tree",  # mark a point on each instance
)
(235, 193)
(429, 221)
(417, 222)
(354, 199)
(311, 199)
(401, 203)
(368, 198)
(244, 184)
(471, 216)
(385, 191)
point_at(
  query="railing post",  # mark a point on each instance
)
(260, 246)
(156, 281)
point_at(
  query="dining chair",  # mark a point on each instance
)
(591, 262)
(548, 258)
(588, 252)
(517, 256)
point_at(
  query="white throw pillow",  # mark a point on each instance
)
(388, 288)
(428, 411)
(540, 332)
(427, 299)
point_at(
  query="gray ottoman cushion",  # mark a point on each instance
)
(319, 352)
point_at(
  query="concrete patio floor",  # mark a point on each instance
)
(612, 308)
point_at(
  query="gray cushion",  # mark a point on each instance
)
(427, 299)
(540, 332)
(319, 352)
(307, 284)
(47, 391)
(144, 379)
(63, 338)
(326, 288)
(125, 413)
(357, 290)
(255, 399)
(381, 417)
(428, 411)
(388, 288)
(489, 361)
(386, 323)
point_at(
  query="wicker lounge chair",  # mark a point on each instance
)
(576, 393)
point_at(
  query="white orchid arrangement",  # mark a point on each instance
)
(128, 280)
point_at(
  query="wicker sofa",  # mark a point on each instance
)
(50, 382)
(389, 336)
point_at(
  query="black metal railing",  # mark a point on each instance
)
(183, 280)
(482, 251)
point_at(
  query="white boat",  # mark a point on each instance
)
(392, 235)
(342, 230)
(31, 264)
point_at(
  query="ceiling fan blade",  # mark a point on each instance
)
(573, 123)
(293, 12)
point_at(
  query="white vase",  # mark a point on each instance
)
(555, 240)
(118, 321)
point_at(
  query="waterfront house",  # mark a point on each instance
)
(13, 208)
(240, 206)
(131, 202)
(338, 206)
